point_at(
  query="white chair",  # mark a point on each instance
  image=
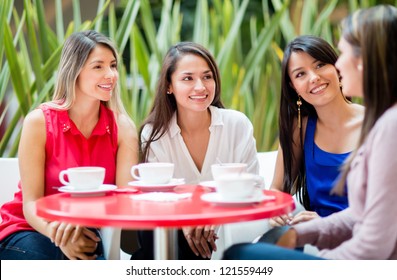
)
(111, 242)
(9, 174)
(267, 163)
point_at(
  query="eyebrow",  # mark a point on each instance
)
(101, 61)
(296, 69)
(190, 73)
(299, 68)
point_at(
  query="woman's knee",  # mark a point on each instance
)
(29, 245)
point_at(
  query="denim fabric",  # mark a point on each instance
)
(264, 251)
(273, 235)
(31, 245)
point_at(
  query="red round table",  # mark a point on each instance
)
(121, 210)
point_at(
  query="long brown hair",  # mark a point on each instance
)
(322, 51)
(372, 33)
(164, 105)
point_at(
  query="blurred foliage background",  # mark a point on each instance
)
(246, 38)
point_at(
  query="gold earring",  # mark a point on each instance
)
(299, 103)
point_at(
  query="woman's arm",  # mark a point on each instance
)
(31, 156)
(127, 152)
(278, 178)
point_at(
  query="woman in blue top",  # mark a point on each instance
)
(318, 126)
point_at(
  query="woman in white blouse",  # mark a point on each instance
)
(189, 127)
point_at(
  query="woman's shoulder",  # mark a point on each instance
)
(35, 116)
(34, 125)
(231, 115)
(389, 118)
(126, 125)
(124, 121)
(384, 130)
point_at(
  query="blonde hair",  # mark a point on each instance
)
(75, 53)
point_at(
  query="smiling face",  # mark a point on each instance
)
(316, 82)
(192, 84)
(98, 76)
(350, 68)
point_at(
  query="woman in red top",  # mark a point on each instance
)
(84, 125)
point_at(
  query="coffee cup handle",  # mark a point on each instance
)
(62, 177)
(133, 169)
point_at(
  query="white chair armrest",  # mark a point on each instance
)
(111, 242)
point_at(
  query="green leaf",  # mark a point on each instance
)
(59, 20)
(15, 69)
(126, 24)
(43, 31)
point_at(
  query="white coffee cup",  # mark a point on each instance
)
(237, 185)
(86, 177)
(220, 169)
(153, 172)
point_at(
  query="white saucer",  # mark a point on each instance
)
(218, 199)
(208, 184)
(98, 191)
(149, 187)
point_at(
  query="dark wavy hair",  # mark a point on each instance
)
(164, 105)
(322, 51)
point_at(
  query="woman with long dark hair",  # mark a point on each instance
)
(368, 67)
(189, 127)
(319, 128)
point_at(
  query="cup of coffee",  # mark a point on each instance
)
(237, 186)
(83, 178)
(220, 169)
(153, 172)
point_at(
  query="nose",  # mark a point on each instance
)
(314, 77)
(110, 73)
(199, 85)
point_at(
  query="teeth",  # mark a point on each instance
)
(198, 97)
(319, 89)
(105, 86)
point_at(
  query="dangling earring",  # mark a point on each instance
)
(299, 103)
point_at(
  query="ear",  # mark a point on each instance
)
(170, 89)
(360, 64)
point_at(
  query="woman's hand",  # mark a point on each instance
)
(83, 247)
(198, 239)
(280, 221)
(285, 220)
(60, 232)
(303, 217)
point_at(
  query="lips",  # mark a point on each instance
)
(198, 97)
(319, 88)
(106, 86)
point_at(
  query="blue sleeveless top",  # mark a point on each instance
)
(322, 171)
